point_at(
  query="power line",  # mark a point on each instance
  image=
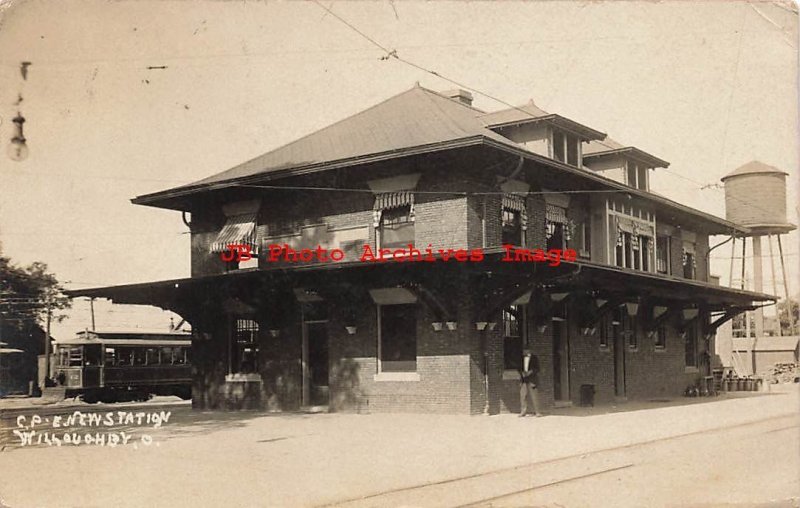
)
(393, 54)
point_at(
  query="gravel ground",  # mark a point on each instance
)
(256, 459)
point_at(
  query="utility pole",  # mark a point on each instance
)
(47, 345)
(91, 307)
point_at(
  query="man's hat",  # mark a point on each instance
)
(526, 352)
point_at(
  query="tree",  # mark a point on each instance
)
(28, 294)
(789, 314)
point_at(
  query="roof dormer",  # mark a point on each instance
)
(541, 132)
(624, 164)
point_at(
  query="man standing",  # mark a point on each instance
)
(528, 386)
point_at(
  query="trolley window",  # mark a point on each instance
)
(110, 357)
(152, 356)
(139, 356)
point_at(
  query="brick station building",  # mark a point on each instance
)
(633, 316)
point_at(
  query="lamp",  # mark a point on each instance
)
(632, 308)
(481, 325)
(437, 326)
(452, 325)
(351, 329)
(491, 326)
(689, 314)
(542, 328)
(17, 149)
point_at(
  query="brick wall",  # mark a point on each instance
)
(443, 363)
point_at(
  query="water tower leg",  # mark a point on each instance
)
(733, 258)
(774, 280)
(758, 284)
(785, 288)
(744, 255)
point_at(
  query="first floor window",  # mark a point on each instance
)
(396, 228)
(629, 329)
(691, 345)
(397, 342)
(606, 330)
(661, 337)
(512, 337)
(244, 358)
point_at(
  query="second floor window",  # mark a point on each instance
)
(556, 231)
(514, 220)
(394, 219)
(636, 176)
(662, 254)
(566, 148)
(689, 263)
(396, 229)
(512, 227)
(632, 249)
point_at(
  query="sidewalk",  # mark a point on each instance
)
(251, 459)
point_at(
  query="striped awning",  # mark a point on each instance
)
(516, 203)
(238, 229)
(555, 213)
(391, 200)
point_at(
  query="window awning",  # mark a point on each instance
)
(516, 203)
(555, 213)
(239, 229)
(392, 200)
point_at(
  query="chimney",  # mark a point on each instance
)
(462, 96)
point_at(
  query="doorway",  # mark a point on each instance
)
(315, 363)
(560, 362)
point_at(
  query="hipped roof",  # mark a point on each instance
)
(414, 118)
(413, 122)
(608, 146)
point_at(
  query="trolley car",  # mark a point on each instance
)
(116, 366)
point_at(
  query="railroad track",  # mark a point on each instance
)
(471, 490)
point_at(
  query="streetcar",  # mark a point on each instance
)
(124, 366)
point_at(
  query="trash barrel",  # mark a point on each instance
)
(748, 385)
(740, 384)
(587, 395)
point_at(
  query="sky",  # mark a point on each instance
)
(124, 98)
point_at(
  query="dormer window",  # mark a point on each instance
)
(566, 147)
(636, 176)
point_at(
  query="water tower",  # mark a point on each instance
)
(755, 197)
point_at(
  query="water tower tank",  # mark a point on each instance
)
(755, 196)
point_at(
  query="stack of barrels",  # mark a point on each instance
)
(742, 384)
